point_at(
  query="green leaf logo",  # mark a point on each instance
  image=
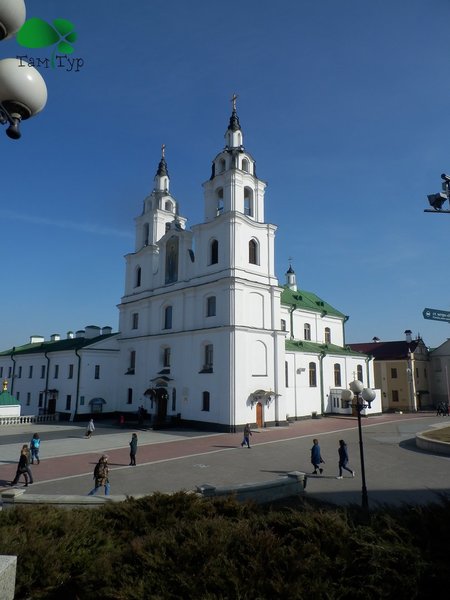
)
(36, 33)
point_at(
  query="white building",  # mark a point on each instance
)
(74, 376)
(206, 331)
(207, 334)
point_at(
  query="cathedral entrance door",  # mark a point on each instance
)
(51, 406)
(259, 415)
(161, 394)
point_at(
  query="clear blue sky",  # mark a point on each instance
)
(345, 106)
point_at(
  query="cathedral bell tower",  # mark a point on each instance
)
(233, 186)
(160, 209)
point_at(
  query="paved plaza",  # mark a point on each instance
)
(171, 460)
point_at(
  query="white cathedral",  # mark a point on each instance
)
(207, 336)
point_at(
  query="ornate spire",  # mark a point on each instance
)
(234, 119)
(162, 167)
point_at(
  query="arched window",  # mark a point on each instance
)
(359, 373)
(168, 206)
(337, 374)
(168, 317)
(253, 252)
(312, 374)
(307, 331)
(146, 232)
(248, 202)
(214, 252)
(166, 357)
(327, 335)
(245, 165)
(219, 200)
(172, 260)
(222, 165)
(137, 277)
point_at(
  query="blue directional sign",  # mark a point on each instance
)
(436, 315)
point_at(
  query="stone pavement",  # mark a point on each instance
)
(172, 460)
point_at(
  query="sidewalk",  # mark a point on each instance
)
(174, 460)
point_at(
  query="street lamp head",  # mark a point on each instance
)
(347, 395)
(437, 200)
(12, 17)
(356, 386)
(368, 395)
(23, 94)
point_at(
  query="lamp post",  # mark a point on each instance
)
(364, 397)
(23, 92)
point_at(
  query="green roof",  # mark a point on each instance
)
(304, 346)
(7, 400)
(309, 301)
(56, 346)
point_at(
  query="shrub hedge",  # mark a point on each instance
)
(181, 546)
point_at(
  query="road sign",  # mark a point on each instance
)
(436, 315)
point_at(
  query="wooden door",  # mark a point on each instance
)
(259, 415)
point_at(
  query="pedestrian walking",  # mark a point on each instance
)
(90, 428)
(316, 458)
(247, 434)
(101, 476)
(23, 467)
(35, 445)
(343, 459)
(133, 449)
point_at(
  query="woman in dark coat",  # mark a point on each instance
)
(343, 459)
(316, 457)
(133, 449)
(23, 467)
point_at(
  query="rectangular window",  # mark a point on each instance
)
(19, 373)
(41, 400)
(286, 373)
(68, 401)
(56, 372)
(28, 398)
(1, 371)
(30, 371)
(17, 395)
(9, 372)
(135, 321)
(205, 401)
(81, 400)
(42, 371)
(70, 372)
(130, 396)
(97, 372)
(209, 356)
(425, 374)
(211, 306)
(394, 395)
(174, 400)
(132, 363)
(394, 373)
(283, 325)
(168, 317)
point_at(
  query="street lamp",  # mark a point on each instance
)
(23, 92)
(364, 398)
(437, 200)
